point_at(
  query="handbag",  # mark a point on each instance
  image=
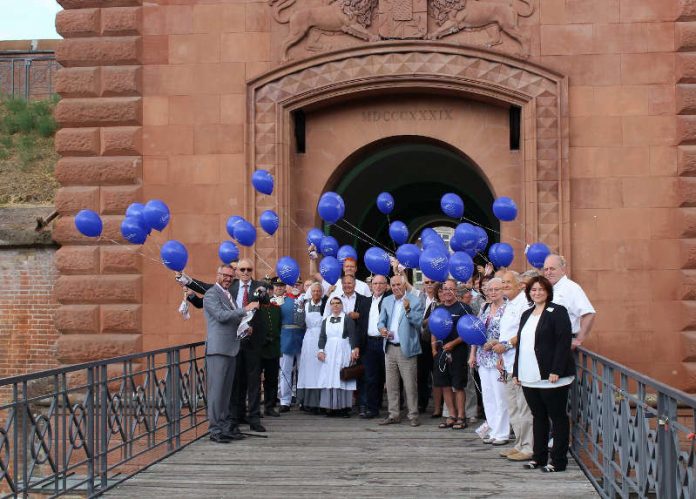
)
(349, 373)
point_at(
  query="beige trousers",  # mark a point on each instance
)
(520, 417)
(398, 366)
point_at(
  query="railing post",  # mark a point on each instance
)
(103, 426)
(667, 452)
(90, 412)
(607, 430)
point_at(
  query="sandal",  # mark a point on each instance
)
(448, 423)
(531, 465)
(460, 424)
(550, 468)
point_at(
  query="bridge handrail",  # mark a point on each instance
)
(632, 435)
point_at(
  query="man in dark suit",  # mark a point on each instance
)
(222, 317)
(247, 390)
(372, 349)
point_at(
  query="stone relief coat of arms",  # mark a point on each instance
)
(373, 20)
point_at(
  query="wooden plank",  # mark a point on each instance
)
(311, 455)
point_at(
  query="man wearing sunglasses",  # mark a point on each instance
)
(222, 317)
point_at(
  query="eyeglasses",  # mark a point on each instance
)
(428, 282)
(244, 269)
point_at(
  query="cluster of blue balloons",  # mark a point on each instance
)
(469, 327)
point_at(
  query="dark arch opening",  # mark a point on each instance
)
(417, 171)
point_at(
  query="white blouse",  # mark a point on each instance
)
(528, 367)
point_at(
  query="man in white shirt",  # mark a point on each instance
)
(373, 356)
(520, 415)
(569, 294)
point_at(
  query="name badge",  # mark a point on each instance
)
(549, 309)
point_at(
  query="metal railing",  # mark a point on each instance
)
(86, 428)
(633, 436)
(28, 77)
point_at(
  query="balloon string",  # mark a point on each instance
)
(389, 225)
(128, 245)
(362, 239)
(374, 242)
(493, 230)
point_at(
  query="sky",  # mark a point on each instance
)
(28, 19)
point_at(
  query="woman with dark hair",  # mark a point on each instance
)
(545, 368)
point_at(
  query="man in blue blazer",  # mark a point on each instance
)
(399, 324)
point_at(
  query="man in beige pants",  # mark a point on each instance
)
(520, 415)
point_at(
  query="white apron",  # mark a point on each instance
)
(309, 366)
(337, 351)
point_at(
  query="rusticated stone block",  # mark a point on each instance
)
(121, 259)
(121, 81)
(686, 67)
(688, 382)
(99, 112)
(107, 51)
(78, 82)
(98, 289)
(686, 161)
(121, 141)
(77, 141)
(121, 21)
(84, 4)
(687, 191)
(77, 260)
(76, 348)
(77, 319)
(78, 23)
(685, 36)
(686, 129)
(686, 9)
(688, 285)
(686, 98)
(64, 231)
(98, 171)
(115, 199)
(688, 253)
(74, 199)
(121, 318)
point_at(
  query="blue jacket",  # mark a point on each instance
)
(409, 324)
(292, 328)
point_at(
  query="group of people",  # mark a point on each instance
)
(328, 348)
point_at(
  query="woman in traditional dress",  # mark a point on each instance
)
(308, 391)
(338, 348)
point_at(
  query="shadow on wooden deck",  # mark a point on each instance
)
(307, 455)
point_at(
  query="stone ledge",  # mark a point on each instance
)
(106, 111)
(98, 289)
(18, 224)
(85, 4)
(76, 348)
(99, 171)
(105, 51)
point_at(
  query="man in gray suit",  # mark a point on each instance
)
(222, 316)
(399, 324)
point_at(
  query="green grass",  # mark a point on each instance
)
(27, 156)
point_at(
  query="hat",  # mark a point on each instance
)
(275, 281)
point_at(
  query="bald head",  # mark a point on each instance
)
(554, 268)
(512, 285)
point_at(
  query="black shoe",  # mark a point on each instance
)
(284, 408)
(370, 415)
(220, 438)
(344, 413)
(257, 427)
(273, 412)
(234, 435)
(362, 412)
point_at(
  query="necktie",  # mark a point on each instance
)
(334, 320)
(245, 296)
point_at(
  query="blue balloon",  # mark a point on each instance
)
(452, 205)
(133, 230)
(408, 255)
(461, 266)
(89, 223)
(398, 232)
(505, 209)
(262, 181)
(430, 238)
(314, 236)
(245, 233)
(331, 207)
(228, 252)
(440, 323)
(482, 241)
(135, 210)
(156, 214)
(501, 254)
(467, 236)
(174, 255)
(328, 246)
(456, 243)
(385, 203)
(287, 270)
(471, 330)
(346, 251)
(231, 223)
(330, 269)
(537, 253)
(377, 261)
(269, 222)
(434, 263)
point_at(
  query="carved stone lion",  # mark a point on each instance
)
(338, 16)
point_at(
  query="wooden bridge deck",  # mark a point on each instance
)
(307, 455)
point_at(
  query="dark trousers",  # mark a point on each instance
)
(374, 374)
(246, 397)
(424, 375)
(271, 370)
(549, 404)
